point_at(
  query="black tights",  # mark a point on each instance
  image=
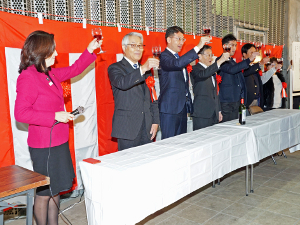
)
(45, 209)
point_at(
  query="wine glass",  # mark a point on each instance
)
(156, 50)
(227, 48)
(280, 61)
(258, 46)
(267, 52)
(206, 30)
(97, 33)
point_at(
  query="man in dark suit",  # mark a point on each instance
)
(175, 99)
(232, 87)
(136, 115)
(254, 78)
(207, 109)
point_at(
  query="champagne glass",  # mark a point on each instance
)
(156, 50)
(97, 33)
(267, 52)
(206, 30)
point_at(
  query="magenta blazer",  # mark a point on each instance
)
(37, 101)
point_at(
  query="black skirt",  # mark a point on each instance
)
(55, 163)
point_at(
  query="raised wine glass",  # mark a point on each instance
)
(97, 33)
(258, 46)
(227, 48)
(267, 52)
(206, 30)
(156, 50)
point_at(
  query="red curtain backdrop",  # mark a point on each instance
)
(72, 38)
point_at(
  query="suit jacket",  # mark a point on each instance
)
(233, 87)
(37, 101)
(132, 101)
(172, 84)
(206, 100)
(254, 85)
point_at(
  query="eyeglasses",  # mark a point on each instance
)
(135, 46)
(209, 55)
(180, 39)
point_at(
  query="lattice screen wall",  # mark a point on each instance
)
(223, 16)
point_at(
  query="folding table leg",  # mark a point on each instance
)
(284, 154)
(251, 179)
(29, 209)
(219, 181)
(1, 218)
(214, 184)
(246, 179)
(274, 160)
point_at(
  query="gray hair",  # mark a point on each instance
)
(125, 39)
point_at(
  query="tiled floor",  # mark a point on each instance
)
(276, 200)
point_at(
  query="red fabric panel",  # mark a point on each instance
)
(105, 109)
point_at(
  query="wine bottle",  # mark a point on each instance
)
(242, 113)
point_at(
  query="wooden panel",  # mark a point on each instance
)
(15, 179)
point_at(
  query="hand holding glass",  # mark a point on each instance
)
(280, 61)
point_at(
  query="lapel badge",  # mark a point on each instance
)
(50, 83)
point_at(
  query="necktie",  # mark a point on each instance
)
(135, 66)
(176, 55)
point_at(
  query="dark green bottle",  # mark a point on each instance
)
(242, 113)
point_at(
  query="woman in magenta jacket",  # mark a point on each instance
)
(40, 103)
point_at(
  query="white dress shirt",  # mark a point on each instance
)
(277, 92)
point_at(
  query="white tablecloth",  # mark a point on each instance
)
(128, 186)
(274, 130)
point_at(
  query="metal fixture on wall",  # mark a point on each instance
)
(222, 15)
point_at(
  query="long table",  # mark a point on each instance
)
(128, 186)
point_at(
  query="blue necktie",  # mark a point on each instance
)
(176, 55)
(135, 66)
